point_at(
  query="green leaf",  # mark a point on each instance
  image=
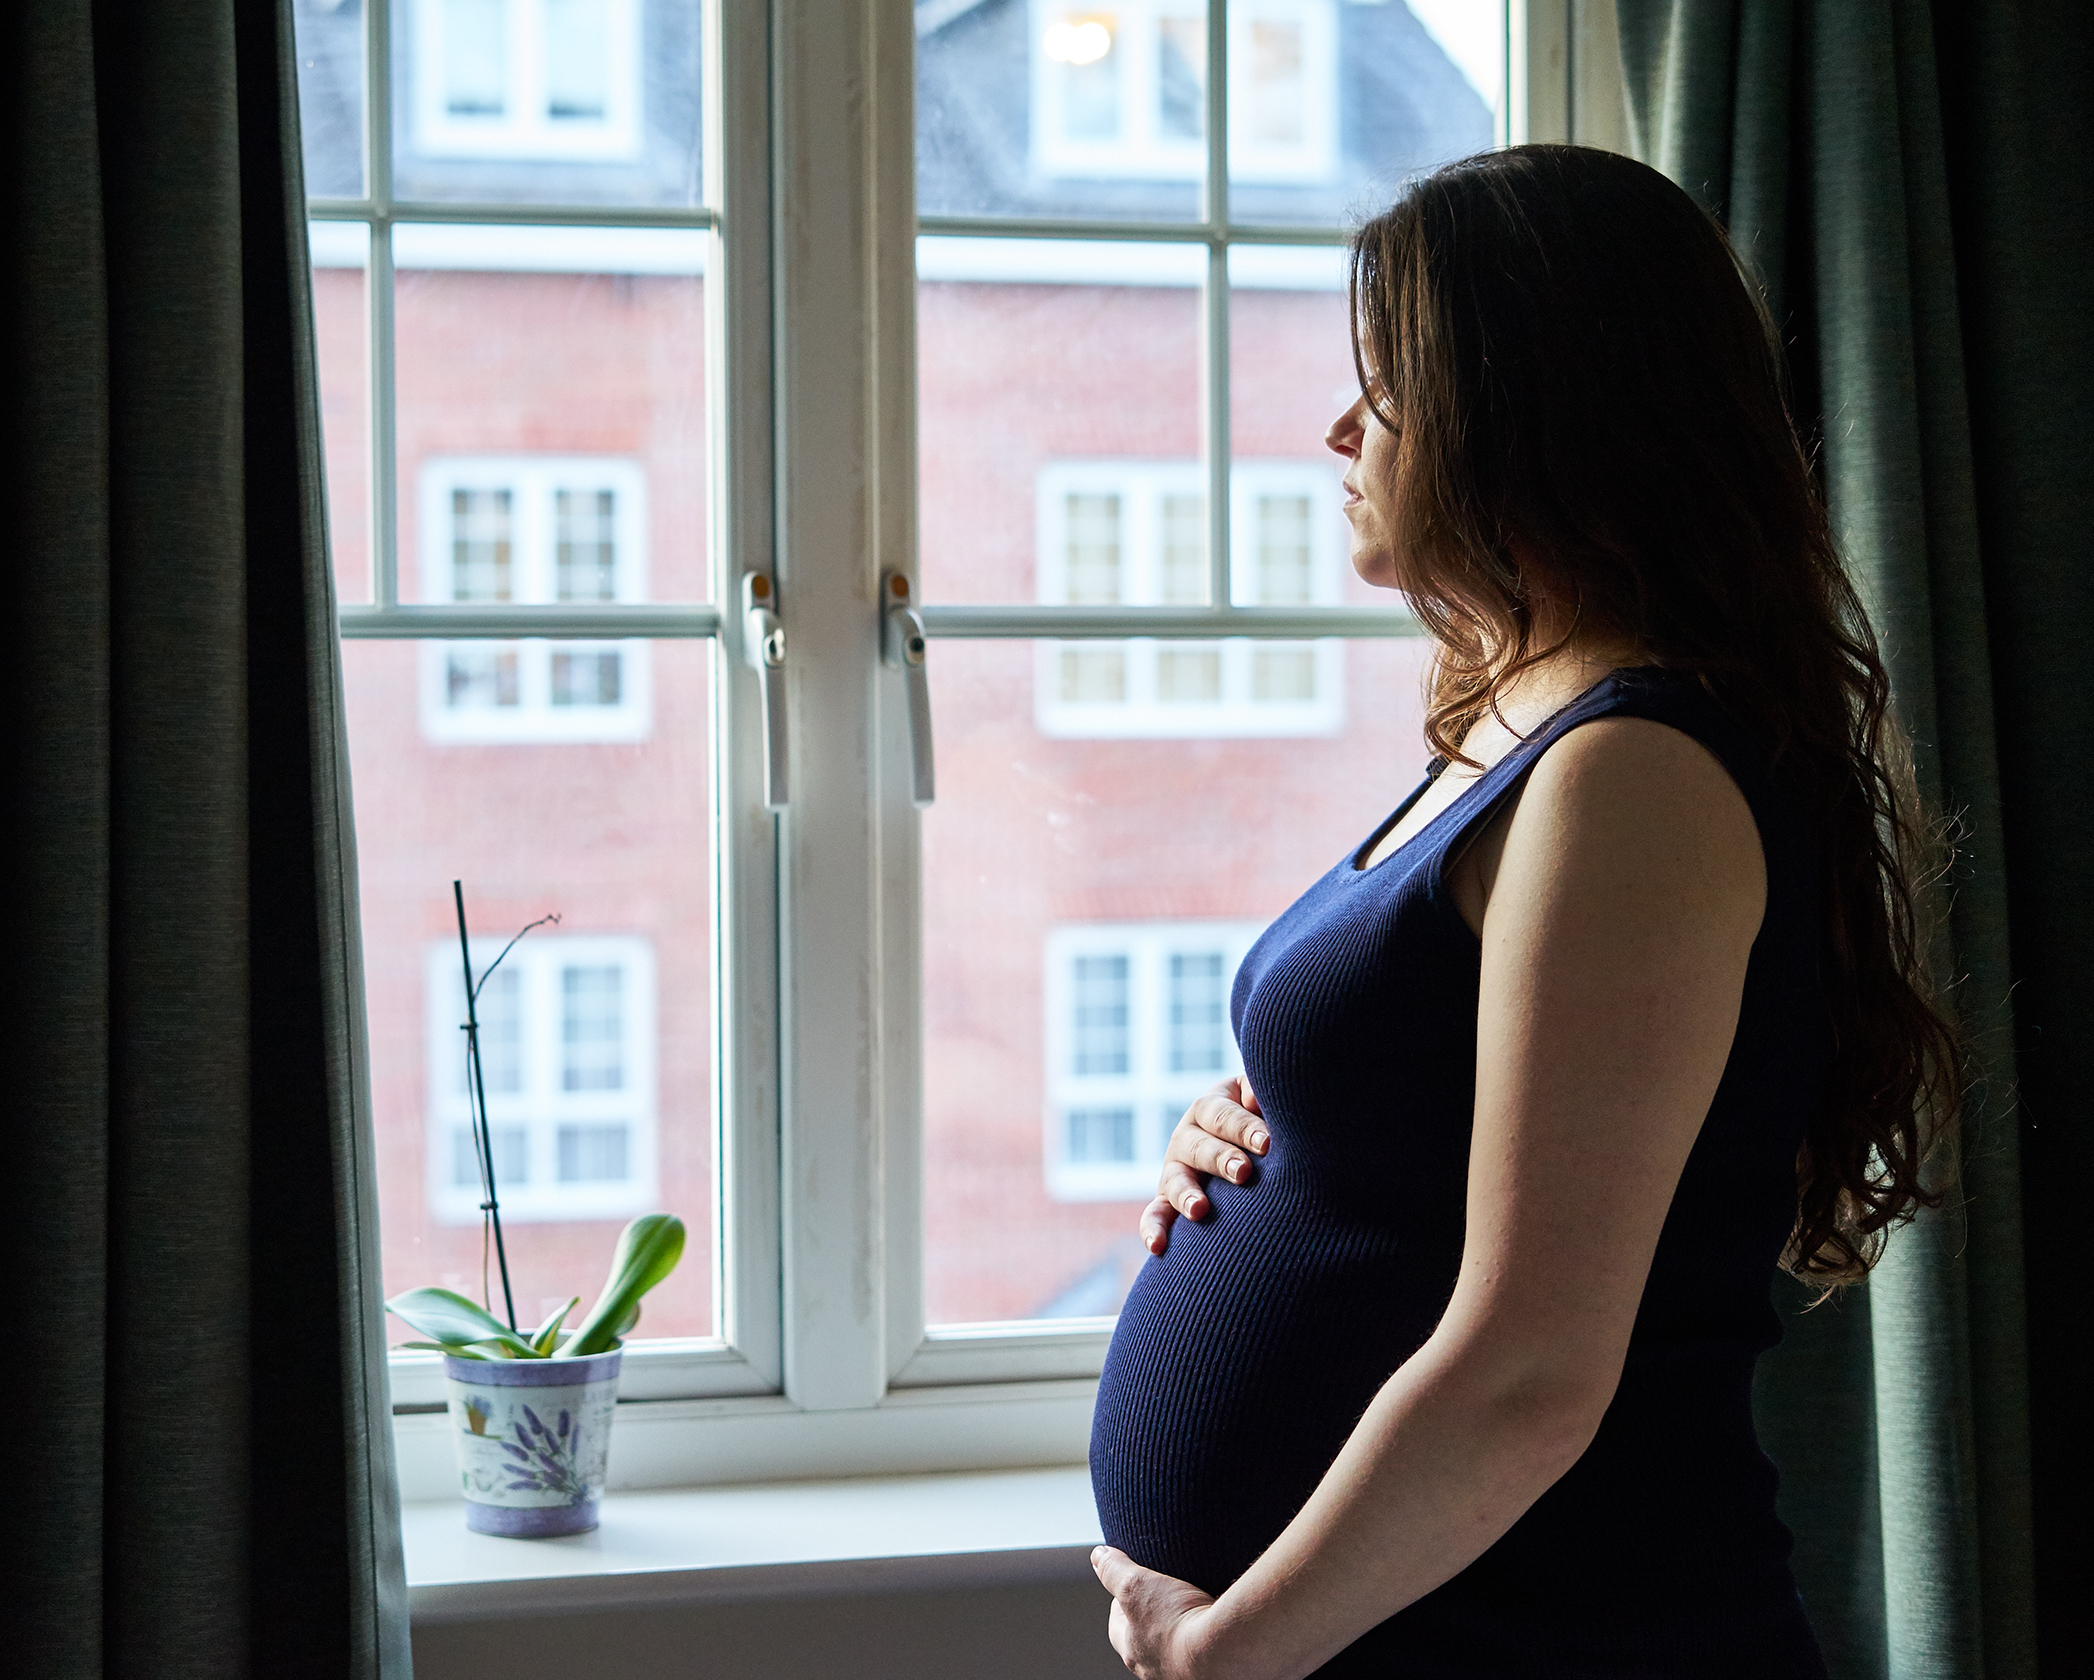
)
(457, 1350)
(547, 1336)
(648, 1250)
(445, 1316)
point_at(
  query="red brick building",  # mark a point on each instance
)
(1115, 819)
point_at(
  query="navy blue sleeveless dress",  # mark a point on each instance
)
(1247, 1352)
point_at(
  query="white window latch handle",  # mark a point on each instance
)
(904, 647)
(763, 646)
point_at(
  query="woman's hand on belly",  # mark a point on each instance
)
(1156, 1621)
(1217, 1137)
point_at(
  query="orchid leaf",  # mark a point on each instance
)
(447, 1317)
(547, 1336)
(648, 1250)
(457, 1350)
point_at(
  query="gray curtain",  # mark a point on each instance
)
(197, 1424)
(1911, 182)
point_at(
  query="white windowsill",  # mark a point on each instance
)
(760, 1439)
(782, 1540)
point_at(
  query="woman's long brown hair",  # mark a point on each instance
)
(1577, 371)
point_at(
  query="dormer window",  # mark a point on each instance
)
(542, 79)
(1121, 90)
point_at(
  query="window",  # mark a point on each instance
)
(1121, 533)
(1137, 1027)
(567, 1050)
(547, 79)
(541, 532)
(1120, 90)
(577, 404)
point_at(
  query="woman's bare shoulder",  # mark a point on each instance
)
(1648, 800)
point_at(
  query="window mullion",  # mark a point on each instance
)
(832, 479)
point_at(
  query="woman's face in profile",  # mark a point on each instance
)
(1369, 448)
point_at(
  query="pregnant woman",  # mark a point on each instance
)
(1446, 1370)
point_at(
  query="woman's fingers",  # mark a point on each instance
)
(1151, 1614)
(1230, 1111)
(1179, 1185)
(1156, 1221)
(1217, 1138)
(1196, 1144)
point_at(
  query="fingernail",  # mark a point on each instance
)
(1258, 1141)
(1236, 1165)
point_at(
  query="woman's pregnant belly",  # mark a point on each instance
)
(1242, 1360)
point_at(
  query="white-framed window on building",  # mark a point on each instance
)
(527, 79)
(528, 530)
(1132, 533)
(1120, 89)
(1137, 1027)
(567, 1048)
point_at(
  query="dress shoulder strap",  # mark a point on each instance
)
(1672, 698)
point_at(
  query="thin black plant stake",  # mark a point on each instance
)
(476, 1096)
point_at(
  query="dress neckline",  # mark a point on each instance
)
(1434, 770)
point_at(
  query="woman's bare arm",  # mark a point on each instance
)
(1615, 938)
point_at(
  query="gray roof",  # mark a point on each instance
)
(1402, 106)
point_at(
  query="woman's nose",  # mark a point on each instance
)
(1344, 436)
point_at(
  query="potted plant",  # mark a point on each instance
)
(531, 1413)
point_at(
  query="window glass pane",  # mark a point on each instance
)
(551, 414)
(1059, 422)
(1332, 104)
(1290, 376)
(596, 1033)
(340, 252)
(1087, 899)
(547, 102)
(471, 63)
(1062, 108)
(330, 46)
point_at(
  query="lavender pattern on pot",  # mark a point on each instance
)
(542, 1445)
(546, 1458)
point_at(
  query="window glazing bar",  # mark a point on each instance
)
(1172, 623)
(508, 622)
(380, 211)
(1143, 233)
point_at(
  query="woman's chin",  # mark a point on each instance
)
(1375, 567)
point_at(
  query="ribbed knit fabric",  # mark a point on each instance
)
(1247, 1352)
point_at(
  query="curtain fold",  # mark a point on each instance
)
(1864, 154)
(201, 1429)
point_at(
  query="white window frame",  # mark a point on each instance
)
(823, 1363)
(1140, 151)
(1237, 711)
(543, 1105)
(525, 131)
(532, 482)
(1156, 1095)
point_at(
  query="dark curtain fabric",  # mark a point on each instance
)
(1911, 182)
(198, 1425)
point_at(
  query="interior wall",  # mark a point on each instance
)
(1053, 1632)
